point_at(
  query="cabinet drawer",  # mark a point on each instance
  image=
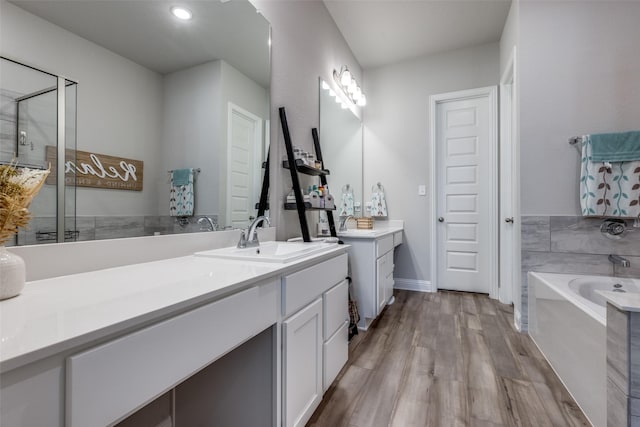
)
(384, 245)
(299, 289)
(336, 353)
(397, 238)
(111, 380)
(336, 308)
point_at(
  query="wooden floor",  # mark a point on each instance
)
(446, 359)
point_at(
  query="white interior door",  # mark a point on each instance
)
(466, 205)
(244, 146)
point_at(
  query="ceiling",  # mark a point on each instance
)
(382, 32)
(145, 32)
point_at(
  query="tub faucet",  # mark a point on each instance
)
(618, 260)
(211, 226)
(343, 223)
(250, 239)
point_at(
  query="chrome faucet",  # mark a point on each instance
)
(250, 239)
(618, 260)
(211, 226)
(343, 223)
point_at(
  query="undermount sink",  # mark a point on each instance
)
(281, 252)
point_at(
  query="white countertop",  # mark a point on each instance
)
(54, 315)
(380, 229)
(625, 301)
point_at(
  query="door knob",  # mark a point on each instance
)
(509, 220)
(441, 219)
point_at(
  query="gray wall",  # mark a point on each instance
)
(191, 133)
(579, 68)
(306, 44)
(396, 138)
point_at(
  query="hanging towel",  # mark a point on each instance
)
(378, 202)
(346, 204)
(608, 188)
(181, 197)
(615, 147)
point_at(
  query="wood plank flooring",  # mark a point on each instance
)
(446, 359)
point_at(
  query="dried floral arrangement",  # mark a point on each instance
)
(18, 187)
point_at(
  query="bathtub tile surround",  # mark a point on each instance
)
(582, 235)
(42, 229)
(115, 227)
(623, 367)
(535, 233)
(572, 244)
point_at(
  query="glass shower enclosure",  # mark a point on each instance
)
(38, 131)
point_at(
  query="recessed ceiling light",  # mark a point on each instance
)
(181, 13)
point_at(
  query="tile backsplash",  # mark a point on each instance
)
(573, 244)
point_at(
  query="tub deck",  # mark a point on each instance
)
(571, 333)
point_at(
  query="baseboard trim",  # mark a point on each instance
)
(414, 285)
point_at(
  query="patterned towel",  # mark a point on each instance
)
(181, 196)
(608, 188)
(378, 202)
(346, 205)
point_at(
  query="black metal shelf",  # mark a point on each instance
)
(299, 167)
(306, 169)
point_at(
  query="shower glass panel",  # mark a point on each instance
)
(29, 135)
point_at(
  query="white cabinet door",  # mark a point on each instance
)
(302, 364)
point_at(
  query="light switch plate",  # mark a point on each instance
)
(422, 190)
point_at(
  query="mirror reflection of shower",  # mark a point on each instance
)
(28, 125)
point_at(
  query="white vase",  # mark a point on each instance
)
(12, 274)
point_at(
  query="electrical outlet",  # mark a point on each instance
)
(368, 207)
(422, 190)
(357, 207)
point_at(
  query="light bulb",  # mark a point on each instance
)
(352, 86)
(181, 13)
(344, 106)
(332, 93)
(345, 79)
(362, 101)
(325, 86)
(357, 94)
(338, 100)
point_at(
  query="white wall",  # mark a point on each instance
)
(191, 132)
(109, 86)
(306, 44)
(579, 70)
(396, 138)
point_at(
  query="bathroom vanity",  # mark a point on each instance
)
(90, 349)
(371, 260)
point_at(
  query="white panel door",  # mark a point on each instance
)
(464, 174)
(245, 142)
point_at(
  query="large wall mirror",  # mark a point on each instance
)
(341, 143)
(168, 93)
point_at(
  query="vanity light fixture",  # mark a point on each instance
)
(181, 13)
(345, 81)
